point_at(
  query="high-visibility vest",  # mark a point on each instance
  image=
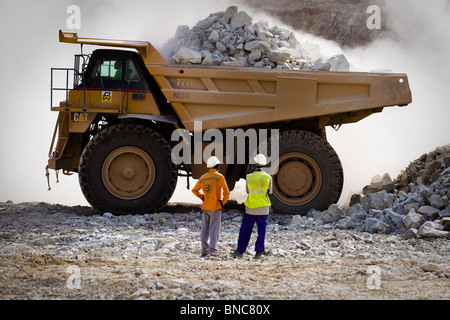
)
(258, 186)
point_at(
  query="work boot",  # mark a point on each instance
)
(204, 254)
(258, 255)
(236, 254)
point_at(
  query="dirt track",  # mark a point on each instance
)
(57, 252)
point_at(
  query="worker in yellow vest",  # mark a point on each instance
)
(257, 206)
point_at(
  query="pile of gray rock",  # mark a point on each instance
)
(415, 204)
(230, 38)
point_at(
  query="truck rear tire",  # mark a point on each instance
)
(310, 174)
(127, 169)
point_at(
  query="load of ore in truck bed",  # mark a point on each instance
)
(232, 38)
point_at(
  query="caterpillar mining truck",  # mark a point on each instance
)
(116, 126)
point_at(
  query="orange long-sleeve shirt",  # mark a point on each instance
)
(212, 184)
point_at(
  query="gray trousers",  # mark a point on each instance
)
(210, 230)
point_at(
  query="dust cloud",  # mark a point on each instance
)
(418, 46)
(384, 142)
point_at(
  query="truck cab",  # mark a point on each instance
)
(115, 69)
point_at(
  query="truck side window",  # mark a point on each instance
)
(108, 69)
(132, 74)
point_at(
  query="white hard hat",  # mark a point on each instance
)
(212, 162)
(260, 159)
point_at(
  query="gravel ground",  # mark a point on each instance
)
(58, 252)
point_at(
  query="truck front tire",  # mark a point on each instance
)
(309, 174)
(127, 169)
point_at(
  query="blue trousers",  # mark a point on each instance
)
(245, 232)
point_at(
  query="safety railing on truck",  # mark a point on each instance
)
(61, 132)
(77, 72)
(66, 88)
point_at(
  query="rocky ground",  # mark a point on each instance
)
(58, 252)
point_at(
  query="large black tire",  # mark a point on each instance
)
(127, 169)
(310, 174)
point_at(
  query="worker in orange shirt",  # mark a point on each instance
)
(212, 184)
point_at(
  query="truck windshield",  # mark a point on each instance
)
(112, 70)
(109, 69)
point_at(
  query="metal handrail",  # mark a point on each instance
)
(66, 89)
(78, 76)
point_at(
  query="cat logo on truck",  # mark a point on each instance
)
(79, 117)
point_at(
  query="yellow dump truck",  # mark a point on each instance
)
(116, 125)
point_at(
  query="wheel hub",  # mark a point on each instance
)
(295, 178)
(128, 173)
(298, 180)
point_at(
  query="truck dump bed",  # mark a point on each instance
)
(223, 97)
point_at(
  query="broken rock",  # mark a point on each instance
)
(428, 229)
(394, 216)
(410, 234)
(319, 64)
(430, 267)
(255, 55)
(333, 213)
(379, 183)
(280, 55)
(445, 213)
(436, 201)
(256, 44)
(240, 19)
(429, 212)
(357, 213)
(186, 55)
(339, 63)
(375, 226)
(445, 223)
(413, 219)
(213, 37)
(229, 13)
(206, 23)
(378, 201)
